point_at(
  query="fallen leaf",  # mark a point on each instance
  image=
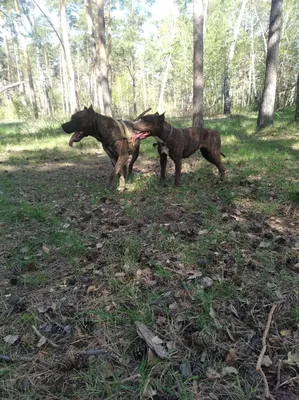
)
(41, 341)
(26, 384)
(195, 274)
(11, 339)
(173, 306)
(120, 274)
(157, 340)
(31, 267)
(46, 249)
(231, 358)
(203, 232)
(266, 361)
(264, 245)
(185, 369)
(206, 282)
(171, 345)
(151, 357)
(91, 289)
(229, 371)
(286, 333)
(160, 320)
(293, 359)
(212, 374)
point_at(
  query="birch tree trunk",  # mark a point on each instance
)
(69, 62)
(231, 53)
(252, 89)
(109, 44)
(32, 94)
(266, 110)
(297, 101)
(205, 17)
(96, 89)
(198, 21)
(104, 82)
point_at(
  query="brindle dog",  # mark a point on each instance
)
(115, 136)
(179, 143)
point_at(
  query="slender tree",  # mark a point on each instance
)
(96, 88)
(109, 44)
(69, 61)
(167, 66)
(198, 22)
(231, 53)
(104, 83)
(32, 94)
(297, 101)
(266, 110)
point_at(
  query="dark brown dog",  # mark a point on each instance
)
(115, 136)
(179, 143)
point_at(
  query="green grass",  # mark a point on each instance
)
(109, 259)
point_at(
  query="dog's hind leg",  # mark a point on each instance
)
(135, 155)
(119, 169)
(178, 169)
(214, 158)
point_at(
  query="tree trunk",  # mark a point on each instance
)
(32, 94)
(168, 63)
(231, 53)
(197, 63)
(109, 43)
(104, 82)
(205, 17)
(69, 62)
(266, 110)
(252, 88)
(96, 89)
(297, 101)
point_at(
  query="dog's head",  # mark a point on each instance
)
(81, 124)
(149, 125)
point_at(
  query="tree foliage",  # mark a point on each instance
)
(143, 39)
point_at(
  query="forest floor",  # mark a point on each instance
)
(201, 266)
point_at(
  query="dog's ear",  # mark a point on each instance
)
(85, 108)
(156, 113)
(90, 108)
(162, 117)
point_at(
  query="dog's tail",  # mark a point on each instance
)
(223, 155)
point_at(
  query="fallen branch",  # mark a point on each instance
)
(149, 337)
(11, 86)
(5, 358)
(42, 336)
(278, 374)
(289, 380)
(106, 353)
(264, 343)
(132, 378)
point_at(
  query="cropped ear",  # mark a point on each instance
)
(156, 113)
(90, 108)
(162, 117)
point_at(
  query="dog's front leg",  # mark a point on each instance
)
(163, 164)
(178, 169)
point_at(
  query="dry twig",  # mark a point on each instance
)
(278, 374)
(264, 343)
(42, 336)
